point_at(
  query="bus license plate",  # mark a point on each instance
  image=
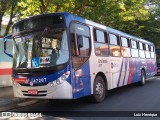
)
(33, 92)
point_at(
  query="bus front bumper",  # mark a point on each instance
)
(61, 91)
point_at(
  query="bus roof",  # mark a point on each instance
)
(71, 17)
(100, 26)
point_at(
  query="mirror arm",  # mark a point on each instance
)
(5, 43)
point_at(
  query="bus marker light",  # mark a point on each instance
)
(81, 83)
(51, 84)
(67, 73)
(20, 80)
(63, 77)
(58, 81)
(13, 82)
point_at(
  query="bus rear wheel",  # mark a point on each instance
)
(99, 90)
(143, 78)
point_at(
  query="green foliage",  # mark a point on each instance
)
(137, 17)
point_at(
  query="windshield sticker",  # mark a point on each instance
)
(35, 62)
(45, 60)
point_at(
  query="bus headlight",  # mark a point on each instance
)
(51, 84)
(63, 77)
(60, 80)
(15, 83)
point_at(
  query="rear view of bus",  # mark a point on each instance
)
(158, 60)
(41, 61)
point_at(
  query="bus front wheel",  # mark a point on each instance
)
(99, 90)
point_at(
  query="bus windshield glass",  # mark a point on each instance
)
(45, 48)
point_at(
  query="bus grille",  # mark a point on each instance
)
(40, 84)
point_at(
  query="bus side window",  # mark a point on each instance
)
(147, 51)
(125, 50)
(152, 52)
(114, 45)
(147, 47)
(134, 48)
(141, 50)
(100, 43)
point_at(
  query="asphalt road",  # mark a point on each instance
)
(132, 98)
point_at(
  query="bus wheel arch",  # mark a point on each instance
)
(104, 78)
(99, 88)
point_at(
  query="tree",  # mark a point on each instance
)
(12, 14)
(131, 16)
(8, 7)
(151, 31)
(3, 8)
(34, 7)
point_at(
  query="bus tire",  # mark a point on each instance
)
(143, 78)
(99, 90)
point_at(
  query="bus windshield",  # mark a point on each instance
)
(45, 48)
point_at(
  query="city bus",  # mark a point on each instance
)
(64, 56)
(6, 59)
(158, 60)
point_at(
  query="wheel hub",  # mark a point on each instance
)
(99, 89)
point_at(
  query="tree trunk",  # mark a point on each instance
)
(12, 15)
(43, 8)
(3, 7)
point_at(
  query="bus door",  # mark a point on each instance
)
(115, 59)
(80, 47)
(115, 64)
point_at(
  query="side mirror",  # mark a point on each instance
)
(80, 41)
(5, 45)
